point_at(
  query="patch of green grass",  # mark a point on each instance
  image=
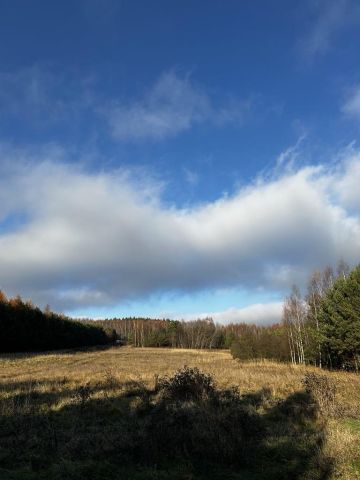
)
(352, 424)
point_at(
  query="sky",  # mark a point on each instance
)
(177, 159)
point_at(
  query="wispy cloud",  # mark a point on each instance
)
(38, 95)
(333, 16)
(27, 91)
(287, 158)
(97, 239)
(173, 105)
(191, 177)
(351, 107)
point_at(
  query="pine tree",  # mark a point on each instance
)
(340, 322)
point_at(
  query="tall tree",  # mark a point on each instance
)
(294, 319)
(340, 322)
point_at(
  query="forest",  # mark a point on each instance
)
(256, 341)
(25, 327)
(323, 327)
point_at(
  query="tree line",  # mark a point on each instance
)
(323, 326)
(245, 340)
(24, 327)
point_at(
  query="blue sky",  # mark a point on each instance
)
(176, 158)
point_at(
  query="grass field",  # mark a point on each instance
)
(99, 415)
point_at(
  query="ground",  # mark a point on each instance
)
(91, 414)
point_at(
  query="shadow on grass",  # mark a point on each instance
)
(63, 351)
(130, 432)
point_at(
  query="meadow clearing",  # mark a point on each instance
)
(98, 414)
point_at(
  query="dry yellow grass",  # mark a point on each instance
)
(141, 364)
(343, 444)
(47, 371)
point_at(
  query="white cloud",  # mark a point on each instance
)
(333, 17)
(258, 313)
(173, 105)
(102, 238)
(347, 186)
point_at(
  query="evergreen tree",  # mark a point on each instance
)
(24, 327)
(340, 322)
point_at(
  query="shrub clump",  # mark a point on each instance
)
(187, 384)
(82, 395)
(323, 390)
(192, 419)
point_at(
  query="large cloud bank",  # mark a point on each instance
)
(74, 238)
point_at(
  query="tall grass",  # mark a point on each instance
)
(131, 413)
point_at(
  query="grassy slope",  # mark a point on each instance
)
(51, 429)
